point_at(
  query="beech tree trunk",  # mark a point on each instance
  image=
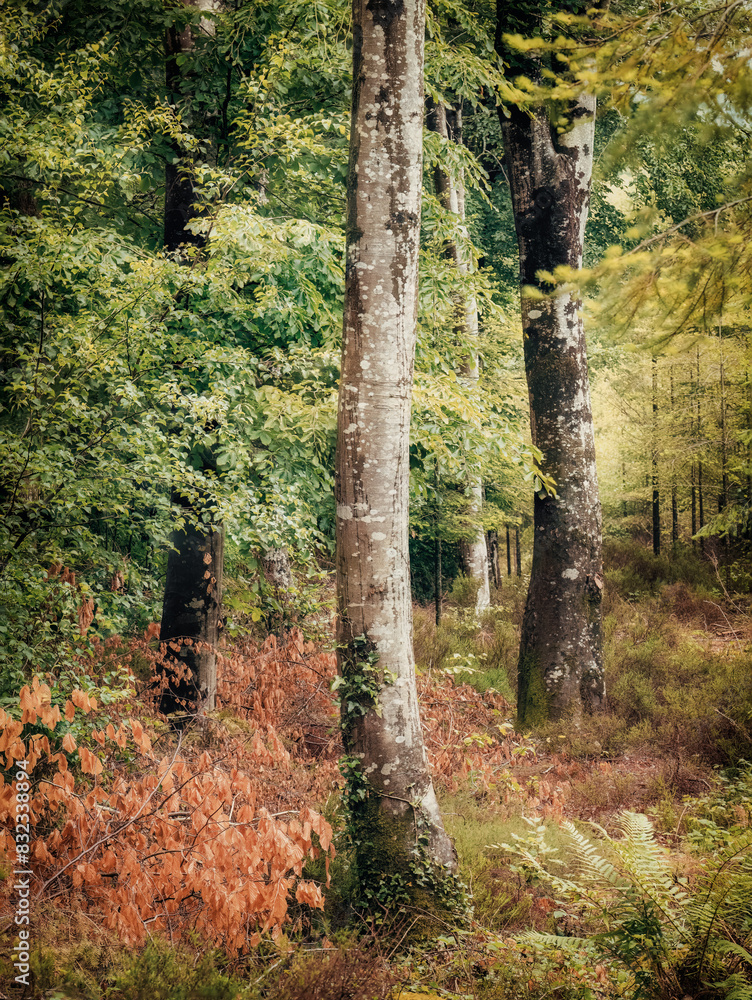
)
(561, 650)
(394, 814)
(192, 608)
(451, 192)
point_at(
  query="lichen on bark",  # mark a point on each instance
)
(381, 721)
(550, 168)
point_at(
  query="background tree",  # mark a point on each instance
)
(549, 157)
(447, 123)
(192, 606)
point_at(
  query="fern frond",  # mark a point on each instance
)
(589, 857)
(732, 948)
(645, 865)
(735, 987)
(560, 942)
(722, 906)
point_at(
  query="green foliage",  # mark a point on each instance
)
(359, 682)
(720, 818)
(159, 972)
(480, 650)
(128, 374)
(673, 938)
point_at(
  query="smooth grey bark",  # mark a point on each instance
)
(561, 651)
(192, 608)
(451, 192)
(391, 794)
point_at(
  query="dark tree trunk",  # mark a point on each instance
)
(549, 169)
(191, 611)
(180, 195)
(654, 465)
(437, 582)
(509, 554)
(723, 498)
(674, 499)
(191, 616)
(700, 498)
(693, 500)
(492, 544)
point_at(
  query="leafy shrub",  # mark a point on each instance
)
(160, 972)
(633, 697)
(185, 846)
(632, 568)
(673, 939)
(356, 970)
(478, 649)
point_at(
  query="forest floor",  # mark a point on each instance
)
(216, 866)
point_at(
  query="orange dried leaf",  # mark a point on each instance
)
(90, 764)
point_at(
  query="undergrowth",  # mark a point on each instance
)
(239, 826)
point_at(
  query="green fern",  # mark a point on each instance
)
(675, 941)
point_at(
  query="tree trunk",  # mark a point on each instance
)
(654, 466)
(402, 853)
(437, 582)
(723, 497)
(492, 544)
(191, 616)
(561, 650)
(275, 564)
(509, 554)
(674, 498)
(191, 611)
(700, 498)
(451, 192)
(180, 196)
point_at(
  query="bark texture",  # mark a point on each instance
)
(275, 564)
(380, 717)
(561, 650)
(191, 617)
(180, 196)
(451, 192)
(191, 612)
